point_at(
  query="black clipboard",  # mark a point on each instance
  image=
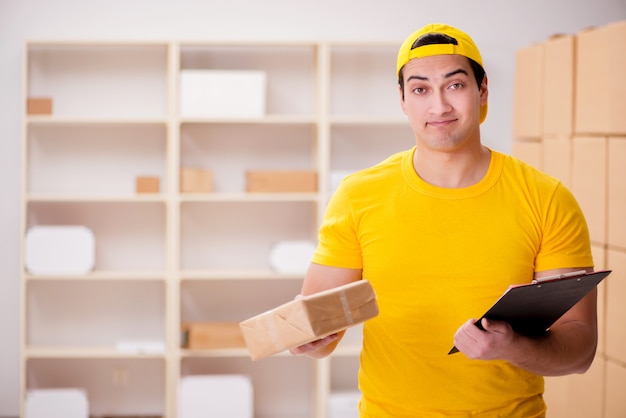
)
(532, 308)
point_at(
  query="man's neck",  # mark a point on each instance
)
(452, 169)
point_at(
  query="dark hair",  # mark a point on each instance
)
(438, 39)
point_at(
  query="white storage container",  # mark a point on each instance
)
(344, 404)
(291, 257)
(56, 249)
(215, 396)
(56, 403)
(222, 94)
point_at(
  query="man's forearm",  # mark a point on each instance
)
(568, 348)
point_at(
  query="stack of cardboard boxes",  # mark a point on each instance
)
(570, 121)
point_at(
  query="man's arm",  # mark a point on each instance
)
(568, 347)
(319, 278)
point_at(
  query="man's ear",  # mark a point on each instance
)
(401, 95)
(484, 90)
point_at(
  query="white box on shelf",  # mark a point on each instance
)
(140, 346)
(220, 396)
(344, 404)
(56, 403)
(222, 93)
(60, 249)
(291, 257)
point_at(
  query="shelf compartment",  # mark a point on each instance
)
(233, 300)
(287, 396)
(94, 160)
(362, 80)
(289, 68)
(94, 314)
(235, 235)
(229, 150)
(100, 80)
(129, 236)
(356, 147)
(115, 387)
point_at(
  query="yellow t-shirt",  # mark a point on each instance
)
(437, 257)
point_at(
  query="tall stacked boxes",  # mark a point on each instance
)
(570, 121)
(600, 114)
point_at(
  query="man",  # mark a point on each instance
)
(441, 231)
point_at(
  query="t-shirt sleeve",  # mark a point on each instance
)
(338, 244)
(566, 242)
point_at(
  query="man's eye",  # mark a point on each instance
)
(456, 86)
(419, 90)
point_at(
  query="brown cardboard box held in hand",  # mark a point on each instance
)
(309, 318)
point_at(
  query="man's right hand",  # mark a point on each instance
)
(315, 349)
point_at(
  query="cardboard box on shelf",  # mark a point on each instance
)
(39, 106)
(576, 395)
(616, 193)
(193, 180)
(528, 92)
(601, 109)
(614, 405)
(599, 263)
(281, 181)
(309, 318)
(557, 158)
(212, 335)
(589, 179)
(145, 184)
(615, 337)
(558, 85)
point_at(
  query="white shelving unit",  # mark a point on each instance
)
(169, 257)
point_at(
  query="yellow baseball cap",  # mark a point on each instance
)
(464, 46)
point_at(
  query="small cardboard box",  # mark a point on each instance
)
(309, 318)
(218, 93)
(39, 106)
(147, 185)
(193, 180)
(211, 335)
(281, 181)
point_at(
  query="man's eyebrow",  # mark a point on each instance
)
(455, 72)
(448, 75)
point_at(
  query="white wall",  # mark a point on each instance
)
(499, 27)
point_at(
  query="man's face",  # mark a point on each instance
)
(442, 101)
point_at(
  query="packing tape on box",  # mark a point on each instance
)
(346, 307)
(270, 321)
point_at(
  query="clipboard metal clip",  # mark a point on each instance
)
(559, 276)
